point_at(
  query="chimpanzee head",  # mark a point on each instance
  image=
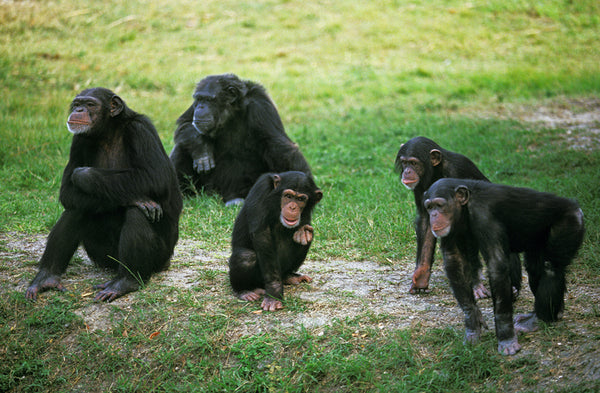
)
(297, 195)
(92, 109)
(216, 99)
(416, 159)
(444, 203)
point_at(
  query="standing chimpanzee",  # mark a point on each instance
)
(228, 137)
(120, 195)
(421, 162)
(271, 237)
(503, 220)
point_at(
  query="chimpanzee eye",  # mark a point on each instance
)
(302, 198)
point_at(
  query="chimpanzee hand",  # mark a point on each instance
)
(152, 210)
(304, 235)
(205, 160)
(42, 282)
(82, 177)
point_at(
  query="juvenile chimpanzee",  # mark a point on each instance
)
(228, 137)
(120, 195)
(271, 237)
(421, 162)
(504, 219)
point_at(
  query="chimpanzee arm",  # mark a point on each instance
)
(495, 249)
(199, 147)
(425, 252)
(145, 177)
(459, 274)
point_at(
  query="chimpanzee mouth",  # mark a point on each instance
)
(288, 223)
(203, 125)
(410, 184)
(77, 127)
(440, 232)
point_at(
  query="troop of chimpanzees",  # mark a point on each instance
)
(122, 198)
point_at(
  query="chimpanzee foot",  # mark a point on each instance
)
(251, 296)
(271, 304)
(234, 202)
(481, 292)
(113, 289)
(472, 336)
(295, 279)
(43, 282)
(509, 347)
(515, 294)
(525, 323)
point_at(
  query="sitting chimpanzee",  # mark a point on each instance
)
(271, 237)
(504, 219)
(228, 137)
(421, 162)
(120, 195)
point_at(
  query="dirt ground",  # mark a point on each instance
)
(343, 289)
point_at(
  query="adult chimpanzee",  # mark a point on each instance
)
(504, 219)
(120, 195)
(228, 137)
(271, 237)
(421, 162)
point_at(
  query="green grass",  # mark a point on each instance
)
(352, 81)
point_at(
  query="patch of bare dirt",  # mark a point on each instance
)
(579, 118)
(340, 289)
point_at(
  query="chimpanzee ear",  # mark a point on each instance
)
(275, 179)
(435, 156)
(462, 194)
(116, 106)
(234, 93)
(318, 195)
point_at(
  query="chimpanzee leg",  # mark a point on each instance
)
(140, 253)
(563, 242)
(460, 276)
(62, 242)
(244, 275)
(425, 253)
(291, 258)
(499, 270)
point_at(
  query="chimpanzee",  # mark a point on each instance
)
(271, 237)
(228, 137)
(503, 219)
(120, 195)
(421, 162)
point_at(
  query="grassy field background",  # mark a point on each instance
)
(352, 81)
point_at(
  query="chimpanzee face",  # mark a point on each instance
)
(292, 204)
(214, 101)
(85, 112)
(412, 171)
(90, 110)
(445, 211)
